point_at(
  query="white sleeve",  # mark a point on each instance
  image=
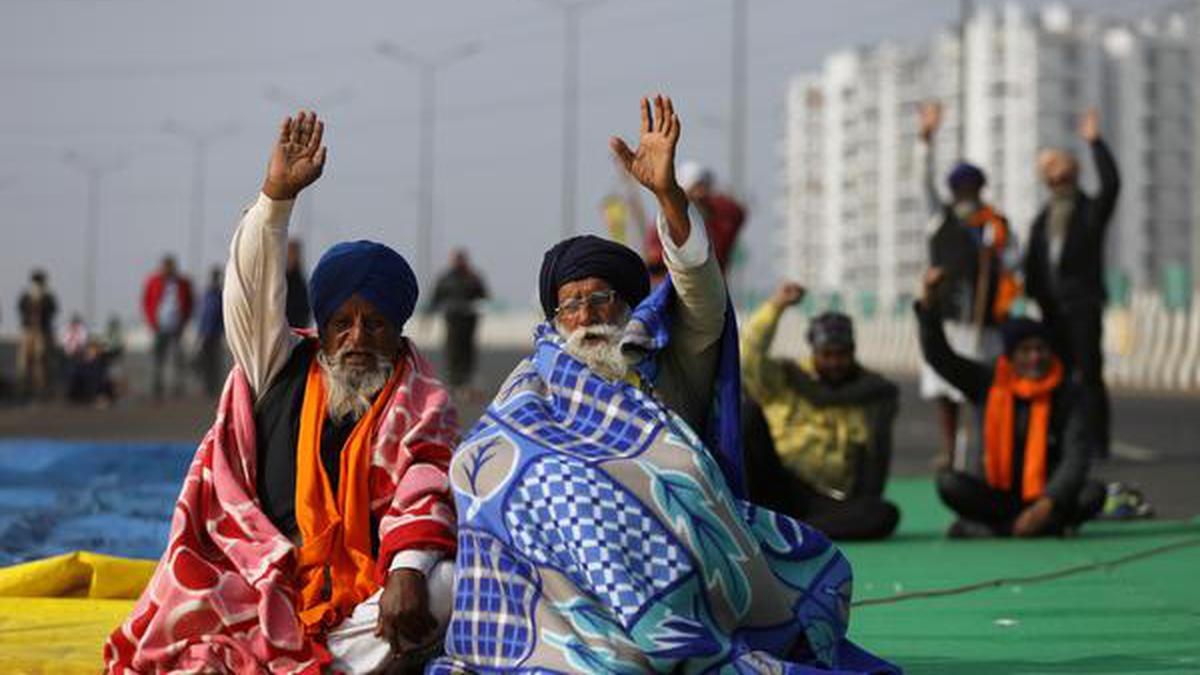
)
(925, 165)
(417, 559)
(693, 252)
(255, 293)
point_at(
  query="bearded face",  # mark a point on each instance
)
(599, 348)
(351, 384)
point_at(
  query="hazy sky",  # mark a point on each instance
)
(102, 78)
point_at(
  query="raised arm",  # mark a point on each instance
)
(1106, 166)
(699, 285)
(762, 378)
(255, 289)
(930, 120)
(970, 377)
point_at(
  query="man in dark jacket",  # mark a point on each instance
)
(36, 308)
(1064, 266)
(1026, 475)
(457, 294)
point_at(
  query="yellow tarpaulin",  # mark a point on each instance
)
(55, 613)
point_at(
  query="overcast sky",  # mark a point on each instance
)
(102, 78)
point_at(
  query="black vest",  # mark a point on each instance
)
(277, 430)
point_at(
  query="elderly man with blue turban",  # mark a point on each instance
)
(971, 241)
(603, 528)
(315, 530)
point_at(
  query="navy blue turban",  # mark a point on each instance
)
(965, 175)
(589, 256)
(831, 329)
(1016, 331)
(373, 271)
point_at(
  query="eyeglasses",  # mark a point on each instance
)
(597, 300)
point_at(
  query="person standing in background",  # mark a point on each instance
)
(456, 294)
(36, 309)
(167, 306)
(970, 240)
(210, 332)
(1064, 266)
(299, 314)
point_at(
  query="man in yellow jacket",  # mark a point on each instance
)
(820, 448)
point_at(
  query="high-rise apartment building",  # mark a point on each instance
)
(856, 215)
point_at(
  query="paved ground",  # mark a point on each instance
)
(1158, 437)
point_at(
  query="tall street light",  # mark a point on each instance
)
(200, 140)
(427, 68)
(94, 171)
(739, 97)
(571, 9)
(305, 207)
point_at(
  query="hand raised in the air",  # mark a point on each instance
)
(298, 157)
(653, 163)
(930, 119)
(787, 294)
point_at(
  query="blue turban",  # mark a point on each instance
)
(590, 256)
(371, 270)
(964, 174)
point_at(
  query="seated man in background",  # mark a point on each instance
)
(599, 533)
(829, 426)
(314, 528)
(1026, 472)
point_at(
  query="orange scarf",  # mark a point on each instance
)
(335, 564)
(1008, 288)
(998, 427)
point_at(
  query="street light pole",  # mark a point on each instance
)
(200, 140)
(427, 70)
(570, 123)
(739, 97)
(93, 172)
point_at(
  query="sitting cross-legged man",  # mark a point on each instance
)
(602, 527)
(818, 431)
(1026, 471)
(315, 528)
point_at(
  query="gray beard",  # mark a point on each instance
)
(604, 358)
(349, 392)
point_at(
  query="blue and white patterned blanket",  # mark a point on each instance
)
(598, 534)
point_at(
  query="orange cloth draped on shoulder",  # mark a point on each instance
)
(998, 428)
(335, 566)
(1008, 287)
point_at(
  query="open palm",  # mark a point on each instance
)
(653, 163)
(298, 157)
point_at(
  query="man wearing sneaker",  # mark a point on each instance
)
(1026, 469)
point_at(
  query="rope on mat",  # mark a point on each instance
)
(1033, 578)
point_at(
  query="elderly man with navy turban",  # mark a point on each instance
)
(602, 526)
(316, 529)
(971, 241)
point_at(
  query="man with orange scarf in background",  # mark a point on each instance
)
(1026, 473)
(970, 240)
(315, 529)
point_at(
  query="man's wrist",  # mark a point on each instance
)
(278, 192)
(672, 196)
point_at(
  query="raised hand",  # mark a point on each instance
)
(653, 163)
(929, 285)
(298, 157)
(1089, 125)
(931, 118)
(788, 293)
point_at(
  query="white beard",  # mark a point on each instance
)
(349, 392)
(603, 358)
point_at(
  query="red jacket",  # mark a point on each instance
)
(152, 295)
(723, 220)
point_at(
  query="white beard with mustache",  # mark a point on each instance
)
(603, 358)
(349, 391)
